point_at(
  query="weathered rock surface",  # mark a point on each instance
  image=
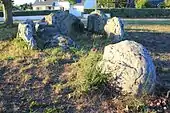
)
(60, 40)
(56, 29)
(66, 24)
(130, 67)
(115, 29)
(26, 31)
(96, 22)
(40, 24)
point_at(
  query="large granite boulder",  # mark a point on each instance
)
(115, 29)
(65, 23)
(26, 31)
(130, 67)
(96, 22)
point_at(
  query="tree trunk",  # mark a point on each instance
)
(127, 3)
(130, 4)
(116, 3)
(7, 11)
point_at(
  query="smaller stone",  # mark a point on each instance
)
(115, 29)
(165, 108)
(60, 40)
(158, 104)
(96, 22)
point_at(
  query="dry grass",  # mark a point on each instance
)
(149, 28)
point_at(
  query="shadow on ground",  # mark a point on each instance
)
(33, 89)
(155, 42)
(158, 44)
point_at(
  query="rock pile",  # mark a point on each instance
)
(63, 41)
(98, 22)
(56, 29)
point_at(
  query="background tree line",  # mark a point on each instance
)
(115, 3)
(8, 6)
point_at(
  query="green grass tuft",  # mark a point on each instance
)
(86, 76)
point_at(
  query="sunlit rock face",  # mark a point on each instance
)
(115, 29)
(130, 67)
(26, 31)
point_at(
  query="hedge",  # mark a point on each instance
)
(137, 13)
(125, 13)
(30, 13)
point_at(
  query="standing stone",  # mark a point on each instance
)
(96, 22)
(115, 29)
(26, 31)
(130, 67)
(67, 24)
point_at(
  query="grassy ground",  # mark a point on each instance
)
(147, 22)
(53, 81)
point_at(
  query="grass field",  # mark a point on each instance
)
(50, 80)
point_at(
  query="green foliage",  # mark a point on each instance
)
(8, 32)
(122, 3)
(141, 4)
(52, 110)
(50, 60)
(11, 47)
(165, 4)
(121, 12)
(26, 6)
(30, 13)
(72, 1)
(136, 13)
(1, 8)
(111, 3)
(88, 76)
(137, 105)
(106, 3)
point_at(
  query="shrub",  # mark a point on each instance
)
(165, 4)
(30, 13)
(119, 12)
(1, 8)
(142, 4)
(136, 13)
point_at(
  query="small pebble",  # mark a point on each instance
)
(165, 108)
(158, 104)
